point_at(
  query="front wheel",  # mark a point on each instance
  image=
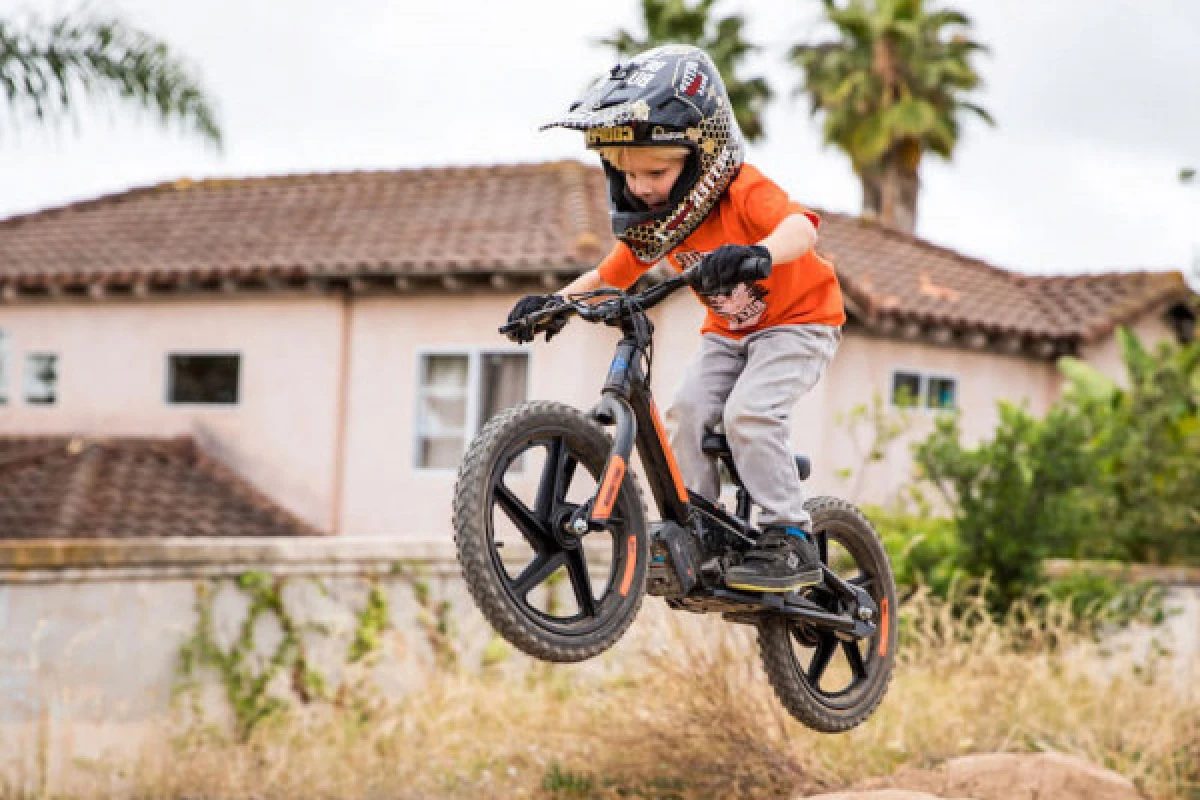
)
(552, 594)
(827, 681)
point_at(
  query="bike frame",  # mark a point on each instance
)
(628, 404)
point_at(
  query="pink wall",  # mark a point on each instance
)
(1106, 355)
(385, 493)
(864, 365)
(283, 435)
(112, 359)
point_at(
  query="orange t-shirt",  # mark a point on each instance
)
(803, 291)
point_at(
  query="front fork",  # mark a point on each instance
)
(613, 409)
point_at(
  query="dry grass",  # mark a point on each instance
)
(694, 717)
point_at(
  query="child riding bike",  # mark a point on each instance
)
(679, 192)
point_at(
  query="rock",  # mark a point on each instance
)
(876, 794)
(1008, 776)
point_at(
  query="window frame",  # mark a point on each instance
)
(25, 362)
(205, 406)
(474, 354)
(922, 398)
(6, 369)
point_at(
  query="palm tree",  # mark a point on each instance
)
(44, 66)
(891, 87)
(677, 22)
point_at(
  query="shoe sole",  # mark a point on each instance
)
(791, 584)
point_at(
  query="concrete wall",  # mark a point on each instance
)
(90, 656)
(93, 630)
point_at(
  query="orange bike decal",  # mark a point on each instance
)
(609, 488)
(883, 628)
(680, 489)
(630, 563)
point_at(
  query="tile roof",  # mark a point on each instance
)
(62, 487)
(446, 227)
(893, 275)
(465, 219)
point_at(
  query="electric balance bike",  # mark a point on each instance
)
(544, 499)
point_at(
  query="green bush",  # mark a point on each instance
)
(1017, 498)
(1146, 446)
(1108, 473)
(923, 549)
(1108, 600)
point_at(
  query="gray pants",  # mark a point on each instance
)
(751, 386)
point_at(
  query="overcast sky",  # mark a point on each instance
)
(1097, 104)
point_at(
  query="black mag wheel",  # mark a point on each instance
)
(554, 595)
(833, 683)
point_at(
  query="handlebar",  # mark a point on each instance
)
(611, 310)
(608, 311)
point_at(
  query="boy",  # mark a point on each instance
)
(678, 190)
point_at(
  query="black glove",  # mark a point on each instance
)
(528, 305)
(731, 264)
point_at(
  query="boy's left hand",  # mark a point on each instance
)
(725, 267)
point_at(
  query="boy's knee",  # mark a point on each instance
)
(746, 419)
(682, 411)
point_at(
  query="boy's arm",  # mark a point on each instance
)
(792, 238)
(589, 281)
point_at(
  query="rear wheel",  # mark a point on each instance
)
(552, 594)
(832, 682)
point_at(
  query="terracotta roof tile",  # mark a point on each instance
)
(516, 220)
(453, 219)
(57, 487)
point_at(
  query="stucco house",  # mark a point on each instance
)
(321, 347)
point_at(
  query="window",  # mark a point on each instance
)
(208, 379)
(906, 389)
(912, 389)
(3, 368)
(41, 378)
(457, 394)
(941, 394)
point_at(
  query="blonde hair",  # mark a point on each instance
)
(618, 155)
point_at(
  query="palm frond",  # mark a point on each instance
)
(44, 67)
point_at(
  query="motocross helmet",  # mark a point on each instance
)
(670, 95)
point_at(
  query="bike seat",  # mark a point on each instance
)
(715, 444)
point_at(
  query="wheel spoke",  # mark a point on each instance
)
(565, 477)
(580, 581)
(532, 528)
(556, 473)
(536, 573)
(820, 660)
(854, 656)
(862, 581)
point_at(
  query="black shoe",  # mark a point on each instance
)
(780, 562)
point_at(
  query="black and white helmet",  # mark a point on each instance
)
(671, 95)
